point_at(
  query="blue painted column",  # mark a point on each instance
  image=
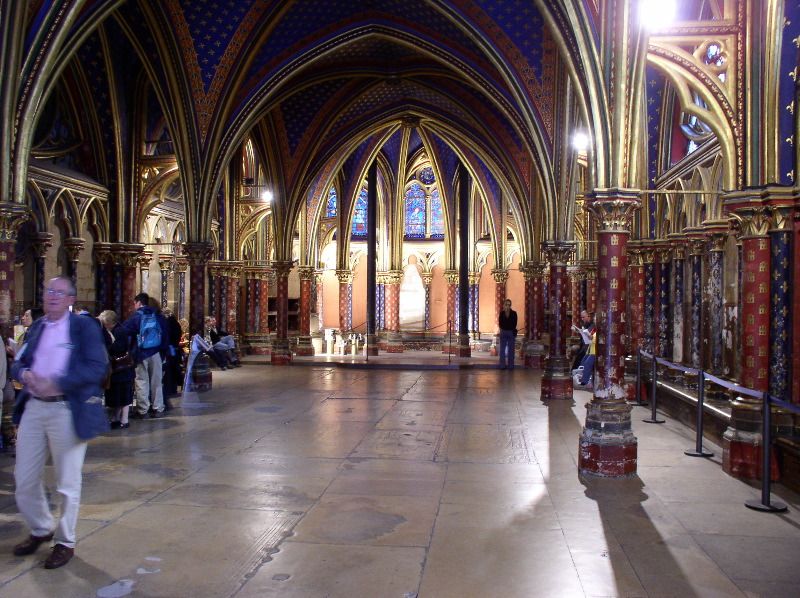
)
(697, 249)
(665, 303)
(715, 300)
(678, 267)
(781, 294)
(648, 340)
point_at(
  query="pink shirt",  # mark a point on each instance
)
(54, 348)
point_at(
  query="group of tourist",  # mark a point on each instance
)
(66, 364)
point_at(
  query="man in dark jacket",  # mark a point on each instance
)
(508, 334)
(173, 373)
(62, 364)
(149, 360)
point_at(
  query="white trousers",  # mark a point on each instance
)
(148, 385)
(49, 426)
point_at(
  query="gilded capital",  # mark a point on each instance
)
(306, 272)
(73, 247)
(427, 278)
(12, 215)
(42, 242)
(198, 253)
(451, 276)
(613, 209)
(144, 259)
(282, 268)
(165, 262)
(558, 252)
(753, 221)
(345, 276)
(500, 276)
(393, 277)
(697, 246)
(782, 218)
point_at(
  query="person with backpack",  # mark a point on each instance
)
(150, 330)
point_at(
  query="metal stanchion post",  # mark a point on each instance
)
(766, 471)
(698, 447)
(639, 377)
(653, 417)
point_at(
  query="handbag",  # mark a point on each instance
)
(121, 362)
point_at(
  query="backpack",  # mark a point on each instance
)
(149, 331)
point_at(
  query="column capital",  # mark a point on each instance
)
(754, 222)
(451, 276)
(144, 259)
(392, 277)
(697, 246)
(345, 276)
(198, 252)
(181, 264)
(613, 208)
(532, 270)
(782, 218)
(102, 251)
(165, 262)
(500, 276)
(558, 252)
(12, 215)
(427, 278)
(42, 242)
(635, 257)
(306, 272)
(232, 269)
(73, 247)
(281, 268)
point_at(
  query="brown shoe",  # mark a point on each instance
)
(31, 545)
(59, 557)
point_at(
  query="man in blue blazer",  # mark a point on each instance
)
(62, 367)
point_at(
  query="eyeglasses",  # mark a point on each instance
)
(58, 293)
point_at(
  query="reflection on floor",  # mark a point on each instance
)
(322, 481)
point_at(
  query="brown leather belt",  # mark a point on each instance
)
(53, 399)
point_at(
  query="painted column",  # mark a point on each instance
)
(474, 304)
(648, 259)
(427, 279)
(231, 316)
(535, 351)
(73, 247)
(636, 288)
(451, 276)
(197, 255)
(500, 278)
(591, 287)
(678, 269)
(715, 301)
(697, 248)
(781, 294)
(320, 302)
(575, 276)
(665, 304)
(304, 346)
(345, 300)
(117, 257)
(608, 447)
(557, 377)
(281, 354)
(380, 301)
(103, 275)
(741, 442)
(143, 260)
(40, 245)
(796, 310)
(130, 255)
(11, 218)
(213, 288)
(394, 340)
(164, 264)
(180, 295)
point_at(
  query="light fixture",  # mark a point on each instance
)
(656, 14)
(266, 195)
(580, 141)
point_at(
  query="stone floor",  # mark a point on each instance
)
(317, 480)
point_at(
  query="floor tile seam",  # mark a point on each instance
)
(186, 505)
(432, 532)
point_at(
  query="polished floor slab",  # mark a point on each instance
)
(321, 481)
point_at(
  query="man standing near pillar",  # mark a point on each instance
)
(149, 359)
(508, 335)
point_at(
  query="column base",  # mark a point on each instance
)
(493, 349)
(607, 446)
(462, 349)
(533, 354)
(742, 442)
(557, 379)
(304, 347)
(372, 347)
(394, 343)
(281, 353)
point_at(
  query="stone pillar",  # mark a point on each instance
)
(591, 287)
(40, 244)
(474, 304)
(143, 260)
(575, 276)
(714, 295)
(608, 447)
(500, 277)
(197, 255)
(164, 265)
(636, 292)
(665, 303)
(73, 247)
(231, 316)
(534, 348)
(394, 339)
(281, 354)
(304, 346)
(11, 218)
(129, 254)
(678, 301)
(557, 377)
(741, 442)
(180, 295)
(345, 300)
(697, 248)
(649, 332)
(380, 302)
(321, 303)
(451, 276)
(427, 279)
(103, 275)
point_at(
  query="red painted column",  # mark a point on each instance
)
(591, 288)
(345, 300)
(281, 354)
(394, 340)
(234, 273)
(636, 294)
(741, 442)
(451, 334)
(304, 346)
(534, 349)
(557, 377)
(129, 262)
(11, 218)
(608, 447)
(263, 302)
(197, 255)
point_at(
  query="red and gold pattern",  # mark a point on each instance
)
(197, 254)
(306, 275)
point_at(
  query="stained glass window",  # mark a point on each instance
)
(360, 215)
(437, 216)
(426, 176)
(330, 209)
(415, 211)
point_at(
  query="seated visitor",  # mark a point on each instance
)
(223, 345)
(584, 376)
